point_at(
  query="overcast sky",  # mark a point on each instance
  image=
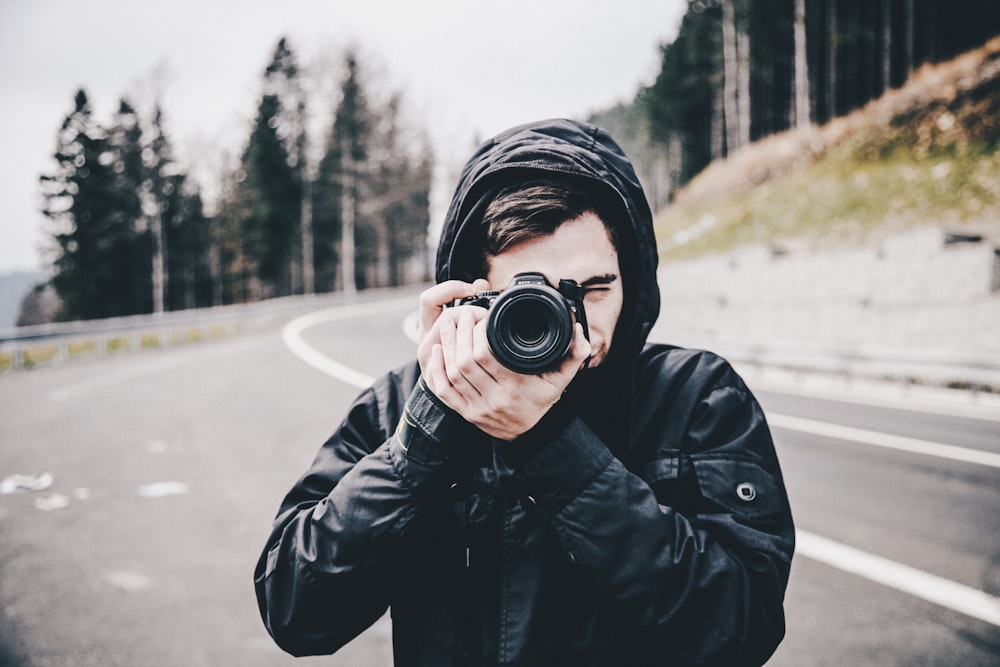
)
(466, 69)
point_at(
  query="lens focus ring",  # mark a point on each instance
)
(530, 328)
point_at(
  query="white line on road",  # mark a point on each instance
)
(292, 335)
(877, 439)
(935, 589)
(924, 399)
(944, 592)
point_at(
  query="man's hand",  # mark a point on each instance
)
(433, 301)
(458, 366)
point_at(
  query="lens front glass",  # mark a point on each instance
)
(529, 323)
(530, 328)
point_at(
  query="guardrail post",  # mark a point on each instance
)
(995, 283)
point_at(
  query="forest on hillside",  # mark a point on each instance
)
(741, 70)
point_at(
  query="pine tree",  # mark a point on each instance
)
(263, 206)
(272, 194)
(680, 103)
(325, 194)
(181, 234)
(129, 255)
(337, 190)
(283, 79)
(74, 252)
(78, 201)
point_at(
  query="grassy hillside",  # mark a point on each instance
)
(925, 154)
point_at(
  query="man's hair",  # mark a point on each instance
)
(535, 209)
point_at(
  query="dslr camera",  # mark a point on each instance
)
(530, 324)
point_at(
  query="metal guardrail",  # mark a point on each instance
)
(62, 342)
(906, 365)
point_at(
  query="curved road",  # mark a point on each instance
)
(167, 466)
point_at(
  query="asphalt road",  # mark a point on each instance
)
(167, 467)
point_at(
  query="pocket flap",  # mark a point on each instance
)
(741, 486)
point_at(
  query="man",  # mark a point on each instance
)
(625, 507)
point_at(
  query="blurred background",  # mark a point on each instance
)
(215, 218)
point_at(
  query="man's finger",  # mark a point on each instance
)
(435, 298)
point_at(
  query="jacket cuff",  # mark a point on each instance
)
(428, 428)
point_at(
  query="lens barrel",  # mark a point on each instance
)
(530, 328)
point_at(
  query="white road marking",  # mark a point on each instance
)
(935, 589)
(292, 336)
(944, 592)
(878, 439)
(411, 326)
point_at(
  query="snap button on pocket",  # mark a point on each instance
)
(746, 491)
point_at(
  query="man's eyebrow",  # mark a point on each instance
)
(606, 279)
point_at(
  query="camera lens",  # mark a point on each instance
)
(529, 323)
(530, 329)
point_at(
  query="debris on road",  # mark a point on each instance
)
(53, 501)
(26, 483)
(157, 446)
(162, 489)
(127, 580)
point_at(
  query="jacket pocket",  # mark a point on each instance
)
(738, 486)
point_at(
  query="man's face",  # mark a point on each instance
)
(579, 250)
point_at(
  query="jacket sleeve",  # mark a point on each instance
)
(342, 533)
(690, 546)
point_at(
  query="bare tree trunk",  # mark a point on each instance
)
(347, 208)
(308, 256)
(730, 104)
(215, 261)
(908, 36)
(801, 67)
(190, 299)
(886, 45)
(743, 67)
(675, 161)
(159, 262)
(718, 123)
(931, 35)
(833, 38)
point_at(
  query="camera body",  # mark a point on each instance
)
(530, 326)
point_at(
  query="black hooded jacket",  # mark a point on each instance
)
(643, 521)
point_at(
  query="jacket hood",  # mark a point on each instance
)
(576, 150)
